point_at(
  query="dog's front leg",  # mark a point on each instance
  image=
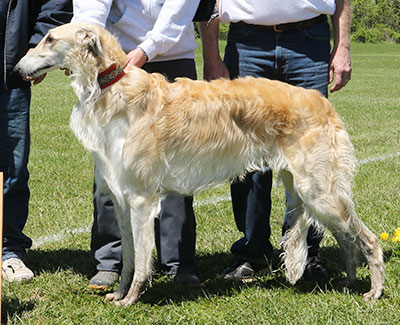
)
(144, 210)
(124, 223)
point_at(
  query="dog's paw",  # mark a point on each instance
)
(373, 295)
(113, 297)
(119, 299)
(126, 301)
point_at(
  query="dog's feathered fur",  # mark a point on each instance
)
(149, 137)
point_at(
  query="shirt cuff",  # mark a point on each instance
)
(149, 48)
(144, 53)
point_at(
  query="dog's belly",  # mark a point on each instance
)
(203, 171)
(190, 181)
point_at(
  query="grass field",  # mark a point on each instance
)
(61, 215)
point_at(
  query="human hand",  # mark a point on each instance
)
(215, 69)
(137, 57)
(36, 80)
(340, 68)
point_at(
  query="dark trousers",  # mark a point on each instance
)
(176, 227)
(297, 57)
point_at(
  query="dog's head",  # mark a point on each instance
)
(75, 46)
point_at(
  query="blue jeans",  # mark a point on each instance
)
(300, 58)
(14, 153)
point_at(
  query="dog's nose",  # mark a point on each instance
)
(18, 69)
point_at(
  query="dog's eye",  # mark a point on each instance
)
(49, 39)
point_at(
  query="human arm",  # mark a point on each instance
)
(214, 67)
(52, 13)
(97, 12)
(340, 64)
(171, 24)
(91, 11)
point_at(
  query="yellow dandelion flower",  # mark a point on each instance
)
(384, 236)
(397, 232)
(396, 239)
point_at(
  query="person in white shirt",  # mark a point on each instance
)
(288, 41)
(157, 36)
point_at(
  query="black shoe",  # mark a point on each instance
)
(103, 280)
(243, 270)
(187, 280)
(315, 272)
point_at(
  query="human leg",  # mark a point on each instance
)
(176, 239)
(105, 243)
(246, 54)
(303, 61)
(300, 58)
(176, 226)
(14, 154)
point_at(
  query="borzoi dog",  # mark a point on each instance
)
(150, 137)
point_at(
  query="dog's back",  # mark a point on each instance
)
(206, 126)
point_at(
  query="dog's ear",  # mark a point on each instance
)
(90, 40)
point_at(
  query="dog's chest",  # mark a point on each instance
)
(104, 138)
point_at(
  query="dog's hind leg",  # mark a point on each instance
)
(295, 239)
(353, 236)
(143, 212)
(369, 245)
(332, 204)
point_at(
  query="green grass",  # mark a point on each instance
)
(61, 185)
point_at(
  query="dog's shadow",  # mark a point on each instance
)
(11, 306)
(209, 267)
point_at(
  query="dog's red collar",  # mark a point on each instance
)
(110, 76)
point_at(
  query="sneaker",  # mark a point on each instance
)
(103, 280)
(14, 270)
(187, 280)
(315, 272)
(242, 270)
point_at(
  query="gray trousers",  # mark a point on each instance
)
(176, 227)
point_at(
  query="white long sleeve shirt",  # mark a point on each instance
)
(273, 12)
(163, 29)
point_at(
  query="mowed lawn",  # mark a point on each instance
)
(61, 215)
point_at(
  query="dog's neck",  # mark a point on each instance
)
(110, 76)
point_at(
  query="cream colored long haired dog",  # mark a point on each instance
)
(150, 137)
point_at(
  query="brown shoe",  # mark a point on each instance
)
(103, 280)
